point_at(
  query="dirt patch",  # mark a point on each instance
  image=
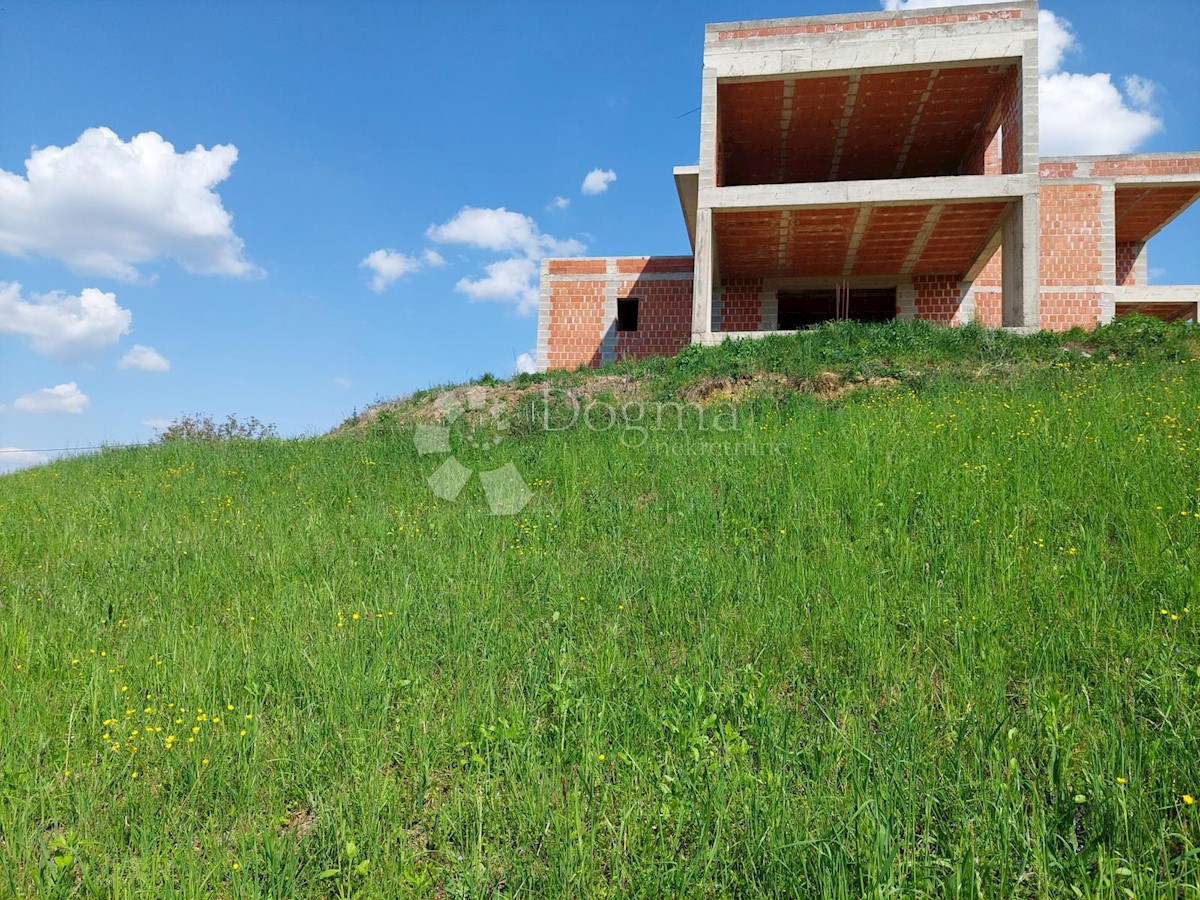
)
(298, 822)
(725, 389)
(495, 401)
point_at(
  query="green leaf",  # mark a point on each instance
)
(329, 873)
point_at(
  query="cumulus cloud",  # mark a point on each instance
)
(144, 359)
(1079, 114)
(525, 364)
(13, 458)
(1056, 38)
(598, 180)
(1086, 114)
(62, 398)
(389, 266)
(106, 206)
(502, 230)
(158, 424)
(559, 203)
(63, 325)
(343, 383)
(511, 280)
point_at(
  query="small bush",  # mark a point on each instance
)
(204, 429)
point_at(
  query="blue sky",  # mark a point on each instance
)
(364, 127)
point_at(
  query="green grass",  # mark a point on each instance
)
(907, 642)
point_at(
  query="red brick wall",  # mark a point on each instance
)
(577, 324)
(870, 24)
(1010, 123)
(1127, 257)
(1071, 239)
(1167, 165)
(664, 317)
(1058, 169)
(988, 309)
(988, 288)
(938, 297)
(1066, 309)
(741, 304)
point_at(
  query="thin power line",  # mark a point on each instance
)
(73, 449)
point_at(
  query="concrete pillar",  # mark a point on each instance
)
(702, 281)
(1021, 300)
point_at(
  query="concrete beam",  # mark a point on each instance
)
(884, 192)
(987, 250)
(843, 131)
(1159, 293)
(713, 30)
(687, 185)
(856, 236)
(921, 241)
(911, 137)
(881, 51)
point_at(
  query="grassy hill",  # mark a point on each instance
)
(890, 610)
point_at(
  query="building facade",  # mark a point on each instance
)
(874, 167)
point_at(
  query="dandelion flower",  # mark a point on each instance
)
(1189, 799)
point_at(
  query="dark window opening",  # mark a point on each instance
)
(627, 314)
(807, 309)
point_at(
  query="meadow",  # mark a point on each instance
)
(932, 636)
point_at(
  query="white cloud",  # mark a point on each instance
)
(1079, 114)
(389, 266)
(1142, 91)
(598, 180)
(63, 325)
(13, 458)
(145, 359)
(559, 203)
(1086, 114)
(512, 280)
(525, 364)
(502, 230)
(106, 206)
(1056, 38)
(62, 398)
(158, 424)
(343, 383)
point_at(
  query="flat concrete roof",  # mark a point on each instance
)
(1026, 6)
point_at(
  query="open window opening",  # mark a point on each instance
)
(627, 314)
(799, 310)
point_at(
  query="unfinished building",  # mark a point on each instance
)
(874, 167)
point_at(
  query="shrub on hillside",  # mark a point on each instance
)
(202, 428)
